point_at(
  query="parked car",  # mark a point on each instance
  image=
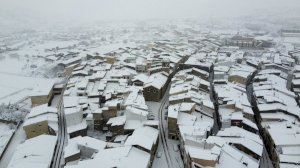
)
(158, 155)
(151, 117)
(175, 148)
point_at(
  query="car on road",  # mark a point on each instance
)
(151, 117)
(158, 155)
(175, 148)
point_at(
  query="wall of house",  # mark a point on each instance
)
(135, 116)
(205, 163)
(152, 94)
(43, 99)
(153, 151)
(82, 132)
(173, 128)
(116, 130)
(270, 146)
(36, 129)
(138, 83)
(180, 100)
(68, 70)
(98, 121)
(86, 152)
(208, 110)
(110, 60)
(110, 113)
(74, 118)
(72, 158)
(237, 79)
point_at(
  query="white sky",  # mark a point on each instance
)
(83, 10)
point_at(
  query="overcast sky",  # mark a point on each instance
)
(83, 10)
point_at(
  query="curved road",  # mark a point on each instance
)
(171, 159)
(58, 159)
(162, 131)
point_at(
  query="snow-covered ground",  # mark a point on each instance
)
(24, 65)
(173, 151)
(17, 139)
(14, 88)
(5, 134)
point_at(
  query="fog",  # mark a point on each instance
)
(20, 14)
(79, 11)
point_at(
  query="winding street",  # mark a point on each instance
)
(265, 160)
(62, 137)
(162, 129)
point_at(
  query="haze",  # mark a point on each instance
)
(94, 10)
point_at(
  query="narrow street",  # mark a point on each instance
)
(18, 138)
(265, 160)
(170, 156)
(58, 159)
(215, 128)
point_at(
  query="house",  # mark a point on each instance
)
(111, 108)
(279, 117)
(281, 138)
(110, 59)
(98, 119)
(82, 87)
(81, 148)
(213, 152)
(89, 146)
(141, 65)
(42, 119)
(122, 156)
(134, 113)
(200, 73)
(69, 62)
(76, 125)
(42, 94)
(139, 79)
(116, 125)
(135, 98)
(247, 142)
(155, 87)
(246, 42)
(71, 150)
(34, 152)
(144, 138)
(173, 112)
(190, 135)
(172, 121)
(238, 77)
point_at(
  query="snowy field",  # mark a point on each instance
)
(23, 65)
(14, 88)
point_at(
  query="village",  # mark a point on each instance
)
(183, 98)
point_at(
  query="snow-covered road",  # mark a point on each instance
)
(170, 157)
(17, 139)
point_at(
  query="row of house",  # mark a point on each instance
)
(190, 110)
(278, 116)
(238, 132)
(34, 152)
(107, 95)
